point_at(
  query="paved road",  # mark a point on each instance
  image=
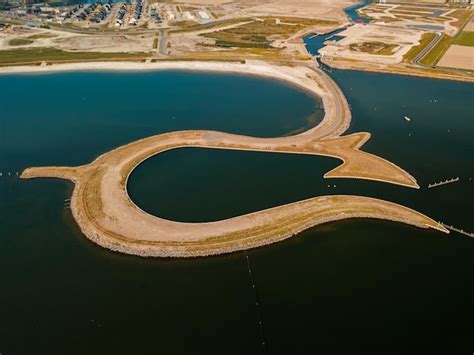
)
(427, 49)
(337, 118)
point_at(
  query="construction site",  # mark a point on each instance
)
(424, 39)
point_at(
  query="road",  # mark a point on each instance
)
(428, 48)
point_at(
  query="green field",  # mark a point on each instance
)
(437, 52)
(40, 54)
(375, 47)
(20, 42)
(465, 39)
(413, 52)
(211, 25)
(42, 35)
(260, 34)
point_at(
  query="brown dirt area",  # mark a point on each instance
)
(460, 57)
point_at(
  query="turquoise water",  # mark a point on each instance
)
(43, 123)
(348, 285)
(315, 43)
(352, 12)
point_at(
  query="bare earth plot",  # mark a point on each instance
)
(327, 9)
(460, 57)
(359, 41)
(470, 26)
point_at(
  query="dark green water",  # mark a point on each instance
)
(349, 285)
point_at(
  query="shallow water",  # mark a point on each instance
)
(345, 284)
(314, 43)
(353, 14)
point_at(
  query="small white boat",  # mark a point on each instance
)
(408, 119)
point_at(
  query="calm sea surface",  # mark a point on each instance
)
(349, 284)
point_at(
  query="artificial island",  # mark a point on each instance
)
(260, 38)
(106, 214)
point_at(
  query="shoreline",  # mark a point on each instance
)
(180, 65)
(252, 68)
(396, 70)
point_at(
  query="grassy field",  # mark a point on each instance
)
(20, 42)
(242, 54)
(463, 16)
(185, 23)
(378, 48)
(465, 39)
(437, 52)
(38, 55)
(259, 34)
(212, 25)
(413, 52)
(42, 35)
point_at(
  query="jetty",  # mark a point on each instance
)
(449, 181)
(460, 231)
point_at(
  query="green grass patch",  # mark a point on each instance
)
(40, 54)
(155, 43)
(433, 56)
(375, 47)
(465, 39)
(42, 35)
(462, 16)
(259, 34)
(20, 42)
(414, 51)
(185, 23)
(212, 25)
